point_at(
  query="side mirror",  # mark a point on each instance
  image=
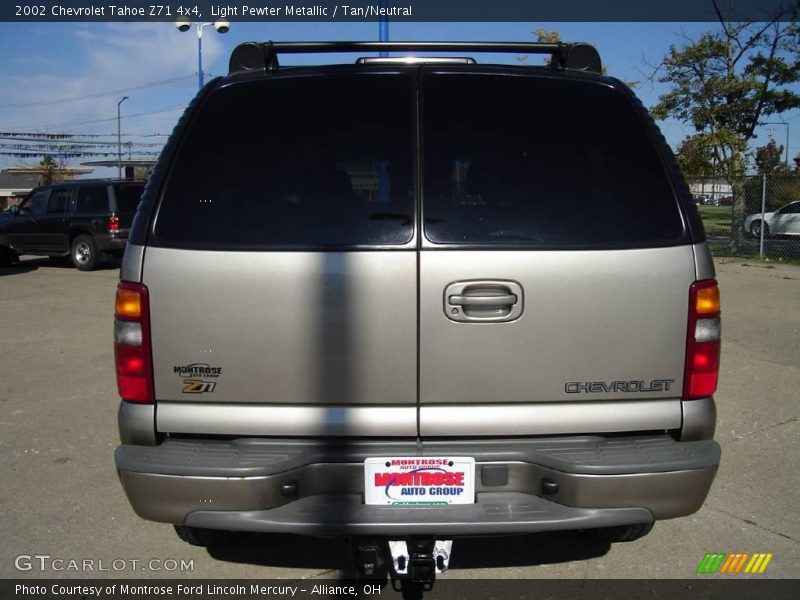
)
(14, 210)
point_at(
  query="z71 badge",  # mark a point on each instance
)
(197, 386)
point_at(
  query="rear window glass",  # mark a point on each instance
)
(91, 200)
(311, 161)
(127, 197)
(523, 160)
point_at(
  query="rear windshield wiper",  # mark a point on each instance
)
(387, 216)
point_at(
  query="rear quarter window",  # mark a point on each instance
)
(127, 197)
(541, 161)
(91, 200)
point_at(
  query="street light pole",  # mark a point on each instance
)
(183, 24)
(119, 136)
(200, 55)
(787, 145)
(383, 29)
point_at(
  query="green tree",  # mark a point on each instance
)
(696, 157)
(552, 36)
(53, 169)
(769, 159)
(50, 168)
(543, 36)
(547, 36)
(727, 82)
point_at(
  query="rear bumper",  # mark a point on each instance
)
(494, 513)
(111, 242)
(316, 487)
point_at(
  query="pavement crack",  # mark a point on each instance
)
(753, 523)
(323, 573)
(787, 421)
(765, 428)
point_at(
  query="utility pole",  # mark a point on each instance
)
(119, 136)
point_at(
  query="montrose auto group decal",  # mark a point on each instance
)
(194, 377)
(419, 480)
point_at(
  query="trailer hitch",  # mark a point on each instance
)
(411, 563)
(417, 560)
(369, 557)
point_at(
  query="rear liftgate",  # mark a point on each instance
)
(414, 561)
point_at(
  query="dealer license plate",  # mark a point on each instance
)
(430, 480)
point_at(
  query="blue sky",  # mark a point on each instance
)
(46, 65)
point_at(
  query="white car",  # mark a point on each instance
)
(784, 221)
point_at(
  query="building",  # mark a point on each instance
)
(711, 188)
(15, 186)
(132, 168)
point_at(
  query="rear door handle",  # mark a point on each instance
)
(483, 301)
(502, 300)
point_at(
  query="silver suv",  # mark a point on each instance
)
(406, 300)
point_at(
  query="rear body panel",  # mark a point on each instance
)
(285, 328)
(588, 316)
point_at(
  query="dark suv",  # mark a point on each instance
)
(85, 220)
(405, 300)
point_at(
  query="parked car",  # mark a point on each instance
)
(708, 201)
(412, 299)
(84, 220)
(725, 201)
(784, 221)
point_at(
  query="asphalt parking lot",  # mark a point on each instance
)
(60, 495)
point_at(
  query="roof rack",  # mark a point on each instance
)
(263, 56)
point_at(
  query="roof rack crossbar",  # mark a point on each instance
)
(263, 56)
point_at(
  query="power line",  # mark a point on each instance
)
(67, 147)
(77, 123)
(46, 136)
(73, 154)
(67, 139)
(95, 95)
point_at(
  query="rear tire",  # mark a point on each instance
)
(202, 537)
(623, 533)
(84, 253)
(755, 229)
(7, 257)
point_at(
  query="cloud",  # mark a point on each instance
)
(80, 60)
(146, 50)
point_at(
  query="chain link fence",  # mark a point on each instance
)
(753, 217)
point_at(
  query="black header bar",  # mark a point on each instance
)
(706, 587)
(397, 10)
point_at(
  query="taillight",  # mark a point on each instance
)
(132, 354)
(113, 224)
(702, 340)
